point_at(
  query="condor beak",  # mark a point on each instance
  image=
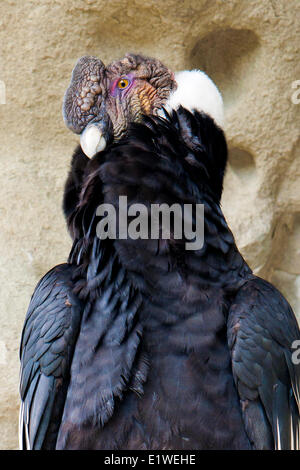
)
(92, 140)
(97, 134)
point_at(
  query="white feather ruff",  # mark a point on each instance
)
(196, 91)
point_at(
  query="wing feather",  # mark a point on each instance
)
(261, 331)
(47, 344)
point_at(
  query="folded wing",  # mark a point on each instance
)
(261, 332)
(47, 345)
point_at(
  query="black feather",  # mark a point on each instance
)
(141, 344)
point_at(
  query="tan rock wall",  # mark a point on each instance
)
(249, 47)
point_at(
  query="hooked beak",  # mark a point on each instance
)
(92, 140)
(97, 134)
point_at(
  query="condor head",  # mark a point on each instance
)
(101, 102)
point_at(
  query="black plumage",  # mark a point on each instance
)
(140, 344)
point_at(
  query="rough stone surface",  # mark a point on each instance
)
(250, 48)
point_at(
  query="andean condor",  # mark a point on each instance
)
(142, 344)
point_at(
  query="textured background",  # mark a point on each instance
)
(251, 50)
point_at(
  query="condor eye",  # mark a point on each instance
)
(123, 83)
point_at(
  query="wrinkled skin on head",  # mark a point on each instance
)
(101, 102)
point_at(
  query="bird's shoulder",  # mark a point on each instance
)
(261, 332)
(47, 343)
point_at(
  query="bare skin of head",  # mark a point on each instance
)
(110, 98)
